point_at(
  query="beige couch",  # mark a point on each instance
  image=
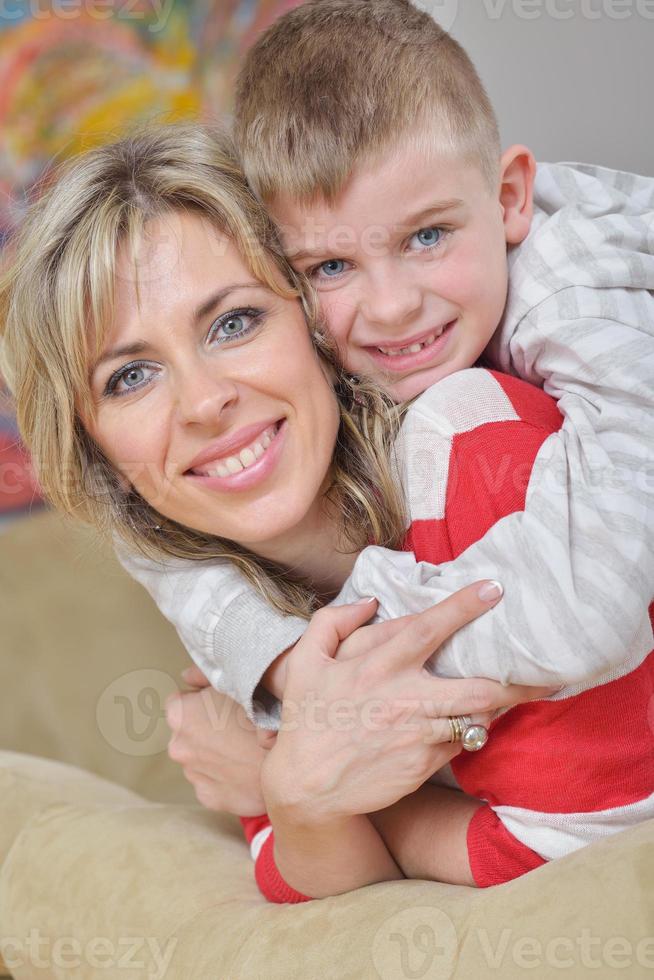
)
(109, 869)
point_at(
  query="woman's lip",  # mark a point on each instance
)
(231, 445)
(400, 363)
(251, 476)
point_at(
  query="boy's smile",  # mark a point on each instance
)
(409, 261)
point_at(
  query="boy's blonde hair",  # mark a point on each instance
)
(56, 304)
(334, 82)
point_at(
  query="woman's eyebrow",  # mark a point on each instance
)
(127, 350)
(205, 307)
(212, 301)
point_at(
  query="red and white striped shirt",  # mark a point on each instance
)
(557, 773)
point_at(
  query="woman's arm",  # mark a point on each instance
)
(340, 760)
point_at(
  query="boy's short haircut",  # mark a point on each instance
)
(334, 82)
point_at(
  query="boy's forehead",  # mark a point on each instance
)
(380, 198)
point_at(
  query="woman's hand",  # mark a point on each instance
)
(359, 734)
(217, 747)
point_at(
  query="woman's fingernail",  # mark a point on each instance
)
(491, 591)
(369, 598)
(186, 672)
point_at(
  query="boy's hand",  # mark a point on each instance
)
(194, 677)
(216, 745)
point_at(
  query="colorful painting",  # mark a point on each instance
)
(78, 73)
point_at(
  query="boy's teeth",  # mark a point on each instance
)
(245, 458)
(412, 348)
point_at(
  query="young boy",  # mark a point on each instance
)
(366, 131)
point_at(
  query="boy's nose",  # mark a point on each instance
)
(390, 301)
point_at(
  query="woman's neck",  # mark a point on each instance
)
(316, 552)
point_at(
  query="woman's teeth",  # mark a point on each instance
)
(412, 348)
(245, 458)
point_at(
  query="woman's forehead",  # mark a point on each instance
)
(173, 244)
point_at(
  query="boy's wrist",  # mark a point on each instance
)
(274, 679)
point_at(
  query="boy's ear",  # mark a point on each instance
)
(517, 173)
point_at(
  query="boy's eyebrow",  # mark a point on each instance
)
(139, 346)
(438, 207)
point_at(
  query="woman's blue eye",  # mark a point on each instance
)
(333, 267)
(428, 237)
(133, 377)
(129, 378)
(234, 324)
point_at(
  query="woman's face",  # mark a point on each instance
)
(211, 400)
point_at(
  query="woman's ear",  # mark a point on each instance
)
(517, 174)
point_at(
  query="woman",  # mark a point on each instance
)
(154, 249)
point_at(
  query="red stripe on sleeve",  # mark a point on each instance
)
(530, 403)
(489, 473)
(271, 884)
(495, 855)
(580, 754)
(252, 825)
(429, 541)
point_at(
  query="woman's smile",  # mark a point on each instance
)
(243, 468)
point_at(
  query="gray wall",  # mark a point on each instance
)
(577, 87)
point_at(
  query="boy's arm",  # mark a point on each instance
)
(576, 559)
(586, 539)
(230, 632)
(323, 860)
(426, 833)
(422, 836)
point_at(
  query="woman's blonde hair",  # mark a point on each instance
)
(56, 303)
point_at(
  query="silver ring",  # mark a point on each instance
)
(472, 737)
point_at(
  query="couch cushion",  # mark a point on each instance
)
(172, 886)
(87, 659)
(28, 783)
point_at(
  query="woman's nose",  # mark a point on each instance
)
(390, 298)
(203, 395)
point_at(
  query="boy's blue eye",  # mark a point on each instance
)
(333, 267)
(429, 236)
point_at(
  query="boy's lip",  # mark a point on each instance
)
(407, 341)
(400, 363)
(230, 445)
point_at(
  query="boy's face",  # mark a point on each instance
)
(410, 262)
